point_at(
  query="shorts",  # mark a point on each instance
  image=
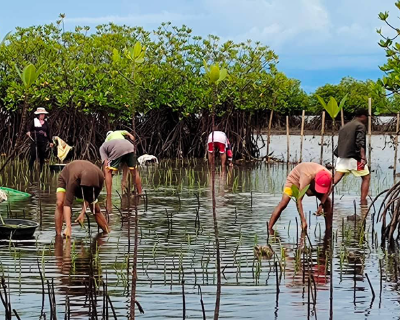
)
(347, 165)
(288, 191)
(129, 159)
(220, 146)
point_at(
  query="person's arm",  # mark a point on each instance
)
(360, 143)
(301, 213)
(126, 133)
(229, 154)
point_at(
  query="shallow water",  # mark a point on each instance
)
(246, 197)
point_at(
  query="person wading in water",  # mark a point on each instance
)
(319, 180)
(39, 133)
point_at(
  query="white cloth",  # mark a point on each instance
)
(346, 164)
(36, 123)
(147, 158)
(219, 136)
(3, 196)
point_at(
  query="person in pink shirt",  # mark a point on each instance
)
(319, 180)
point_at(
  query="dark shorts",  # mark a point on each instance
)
(129, 159)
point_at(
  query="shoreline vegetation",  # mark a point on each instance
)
(87, 95)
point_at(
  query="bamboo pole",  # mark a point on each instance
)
(321, 157)
(369, 129)
(302, 135)
(342, 116)
(288, 139)
(396, 140)
(269, 131)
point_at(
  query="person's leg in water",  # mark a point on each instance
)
(365, 188)
(108, 177)
(223, 159)
(129, 162)
(41, 150)
(59, 213)
(210, 153)
(277, 211)
(100, 219)
(32, 158)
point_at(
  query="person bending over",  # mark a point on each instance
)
(83, 180)
(319, 180)
(221, 144)
(114, 153)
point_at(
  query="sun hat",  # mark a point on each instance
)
(41, 111)
(323, 181)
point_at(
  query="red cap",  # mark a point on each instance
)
(323, 181)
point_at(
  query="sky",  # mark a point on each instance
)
(318, 41)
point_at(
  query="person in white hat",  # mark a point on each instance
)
(39, 132)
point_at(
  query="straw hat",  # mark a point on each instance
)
(41, 111)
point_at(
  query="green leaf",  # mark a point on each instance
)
(137, 49)
(39, 71)
(206, 67)
(214, 73)
(222, 74)
(19, 72)
(321, 101)
(127, 54)
(28, 75)
(4, 39)
(342, 102)
(139, 60)
(295, 191)
(303, 192)
(332, 108)
(116, 57)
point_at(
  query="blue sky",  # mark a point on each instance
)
(318, 41)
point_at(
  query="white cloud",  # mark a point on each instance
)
(136, 19)
(342, 30)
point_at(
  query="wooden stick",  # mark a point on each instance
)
(342, 116)
(269, 131)
(288, 139)
(302, 135)
(321, 158)
(369, 129)
(396, 140)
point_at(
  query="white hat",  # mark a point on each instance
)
(108, 133)
(41, 111)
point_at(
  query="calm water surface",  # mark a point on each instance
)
(177, 240)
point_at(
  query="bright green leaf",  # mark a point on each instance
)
(116, 57)
(214, 73)
(295, 191)
(29, 75)
(303, 192)
(137, 49)
(222, 74)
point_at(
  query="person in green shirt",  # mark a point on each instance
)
(118, 134)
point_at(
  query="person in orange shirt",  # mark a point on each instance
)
(319, 180)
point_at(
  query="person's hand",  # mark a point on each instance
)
(230, 164)
(320, 210)
(363, 161)
(28, 134)
(51, 145)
